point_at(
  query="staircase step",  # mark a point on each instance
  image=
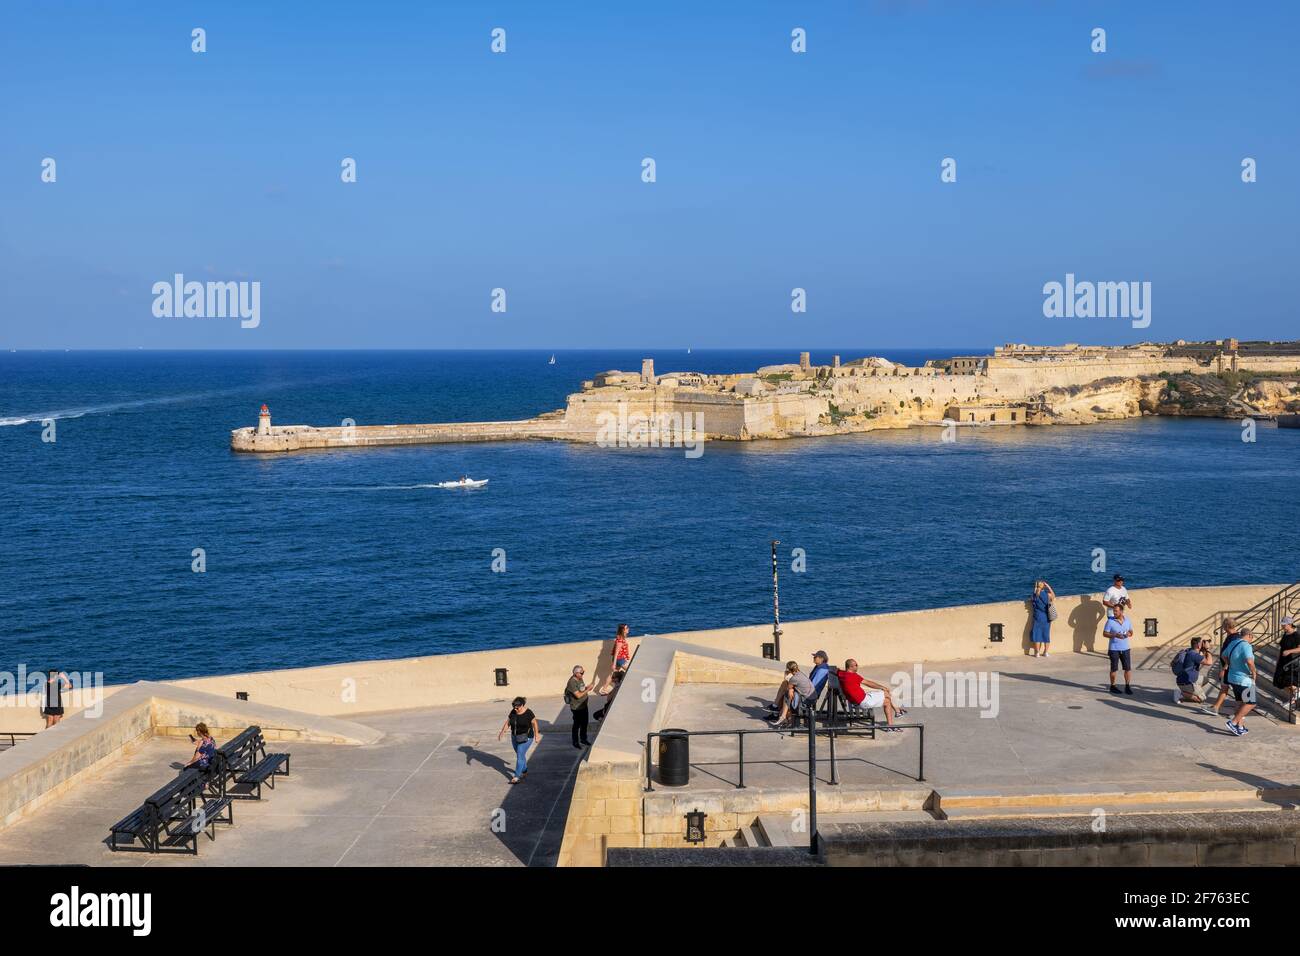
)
(882, 816)
(1127, 809)
(749, 838)
(1161, 799)
(778, 830)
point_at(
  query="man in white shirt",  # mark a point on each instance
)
(1116, 595)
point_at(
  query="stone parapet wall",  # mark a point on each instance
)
(935, 634)
(1157, 839)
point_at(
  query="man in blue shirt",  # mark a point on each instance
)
(1239, 674)
(1187, 671)
(821, 670)
(1119, 628)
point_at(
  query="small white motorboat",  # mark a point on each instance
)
(463, 483)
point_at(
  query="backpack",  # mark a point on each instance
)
(1176, 665)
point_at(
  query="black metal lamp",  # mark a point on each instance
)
(769, 651)
(501, 677)
(695, 826)
(1151, 627)
(995, 633)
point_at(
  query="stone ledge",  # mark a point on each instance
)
(994, 836)
(710, 856)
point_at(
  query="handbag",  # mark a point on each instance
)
(1051, 611)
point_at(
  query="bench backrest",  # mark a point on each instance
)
(178, 796)
(240, 749)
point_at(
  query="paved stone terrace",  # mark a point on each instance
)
(424, 795)
(1057, 728)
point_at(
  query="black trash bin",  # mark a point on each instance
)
(674, 757)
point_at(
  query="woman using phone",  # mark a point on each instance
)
(205, 748)
(1043, 599)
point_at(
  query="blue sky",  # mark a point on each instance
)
(775, 170)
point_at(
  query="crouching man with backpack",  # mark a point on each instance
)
(1186, 666)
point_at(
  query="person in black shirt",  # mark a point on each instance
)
(522, 724)
(1285, 678)
(52, 707)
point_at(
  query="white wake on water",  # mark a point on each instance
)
(148, 402)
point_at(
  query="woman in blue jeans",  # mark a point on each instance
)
(522, 724)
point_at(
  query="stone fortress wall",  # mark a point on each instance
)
(1017, 384)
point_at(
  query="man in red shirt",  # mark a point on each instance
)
(865, 692)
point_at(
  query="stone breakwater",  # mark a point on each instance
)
(304, 437)
(1016, 385)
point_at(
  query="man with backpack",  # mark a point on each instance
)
(1186, 666)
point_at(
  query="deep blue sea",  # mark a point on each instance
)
(338, 555)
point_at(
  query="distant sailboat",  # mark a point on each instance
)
(552, 361)
(688, 351)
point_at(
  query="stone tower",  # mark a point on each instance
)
(648, 371)
(264, 421)
(804, 362)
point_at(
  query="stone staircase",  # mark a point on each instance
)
(974, 805)
(1265, 623)
(777, 830)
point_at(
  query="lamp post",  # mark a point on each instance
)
(776, 606)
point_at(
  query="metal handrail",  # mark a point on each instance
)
(14, 735)
(1265, 619)
(810, 714)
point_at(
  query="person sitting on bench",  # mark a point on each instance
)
(852, 683)
(205, 748)
(795, 689)
(821, 670)
(818, 677)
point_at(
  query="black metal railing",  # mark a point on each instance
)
(10, 739)
(809, 714)
(1264, 621)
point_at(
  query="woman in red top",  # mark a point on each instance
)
(622, 656)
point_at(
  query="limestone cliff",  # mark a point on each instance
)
(1230, 395)
(1106, 399)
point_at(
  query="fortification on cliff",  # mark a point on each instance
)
(1016, 385)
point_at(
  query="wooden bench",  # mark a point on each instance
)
(244, 765)
(837, 711)
(184, 811)
(234, 758)
(173, 816)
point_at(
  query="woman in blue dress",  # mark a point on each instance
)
(1043, 599)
